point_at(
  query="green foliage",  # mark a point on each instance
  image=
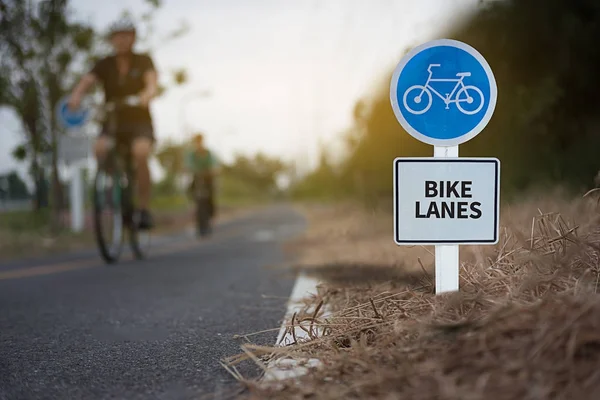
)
(39, 42)
(154, 3)
(180, 76)
(83, 36)
(234, 191)
(20, 152)
(16, 188)
(169, 202)
(24, 221)
(167, 186)
(245, 179)
(259, 172)
(170, 155)
(545, 58)
(324, 183)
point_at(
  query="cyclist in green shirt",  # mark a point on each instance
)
(202, 163)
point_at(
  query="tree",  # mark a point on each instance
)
(171, 158)
(544, 130)
(13, 187)
(38, 44)
(323, 182)
(259, 171)
(41, 49)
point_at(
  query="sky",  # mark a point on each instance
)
(284, 75)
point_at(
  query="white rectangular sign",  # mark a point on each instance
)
(73, 148)
(446, 201)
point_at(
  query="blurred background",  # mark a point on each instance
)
(293, 96)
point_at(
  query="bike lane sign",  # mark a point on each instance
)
(443, 92)
(68, 118)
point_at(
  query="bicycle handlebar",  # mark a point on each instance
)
(431, 66)
(131, 101)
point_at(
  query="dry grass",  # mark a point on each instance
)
(525, 324)
(39, 242)
(342, 241)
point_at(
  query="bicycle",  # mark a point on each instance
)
(114, 189)
(428, 89)
(201, 193)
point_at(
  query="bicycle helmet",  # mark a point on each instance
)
(124, 24)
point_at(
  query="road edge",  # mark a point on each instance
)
(285, 368)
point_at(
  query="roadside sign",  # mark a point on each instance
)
(446, 200)
(73, 148)
(69, 119)
(443, 92)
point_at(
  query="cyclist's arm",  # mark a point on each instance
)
(98, 72)
(150, 78)
(84, 84)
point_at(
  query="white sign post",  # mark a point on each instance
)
(443, 93)
(77, 200)
(447, 258)
(72, 149)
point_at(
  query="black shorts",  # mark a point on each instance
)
(128, 132)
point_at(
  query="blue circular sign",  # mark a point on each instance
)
(443, 92)
(70, 119)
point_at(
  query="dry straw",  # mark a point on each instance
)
(525, 325)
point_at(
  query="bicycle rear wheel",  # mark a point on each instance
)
(203, 226)
(108, 212)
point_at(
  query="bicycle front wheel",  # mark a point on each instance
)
(469, 100)
(108, 214)
(139, 240)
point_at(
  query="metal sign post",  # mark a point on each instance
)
(444, 93)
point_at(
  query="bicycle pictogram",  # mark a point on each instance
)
(460, 94)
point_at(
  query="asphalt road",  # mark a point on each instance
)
(73, 328)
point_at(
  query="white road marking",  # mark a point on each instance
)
(263, 236)
(285, 368)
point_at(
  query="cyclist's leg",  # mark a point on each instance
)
(141, 148)
(101, 146)
(211, 196)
